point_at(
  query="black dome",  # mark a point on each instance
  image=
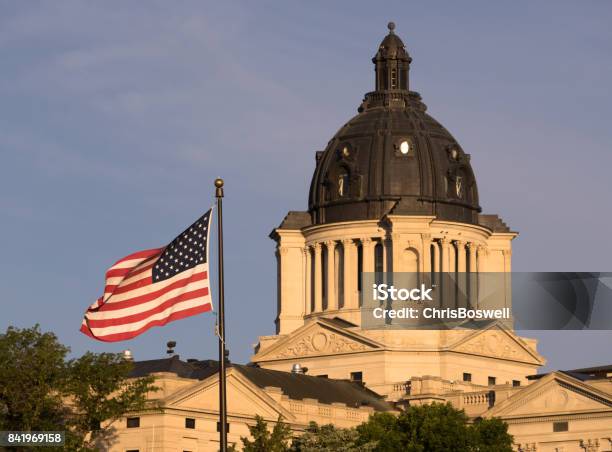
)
(393, 157)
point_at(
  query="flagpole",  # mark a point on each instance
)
(221, 322)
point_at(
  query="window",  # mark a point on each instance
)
(343, 185)
(560, 426)
(491, 381)
(467, 376)
(516, 383)
(189, 422)
(132, 450)
(393, 79)
(133, 422)
(322, 376)
(357, 376)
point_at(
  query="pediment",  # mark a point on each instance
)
(554, 394)
(318, 338)
(497, 342)
(243, 398)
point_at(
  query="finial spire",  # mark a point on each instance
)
(391, 27)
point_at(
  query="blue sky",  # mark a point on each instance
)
(115, 118)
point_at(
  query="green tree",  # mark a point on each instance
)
(32, 379)
(432, 428)
(426, 428)
(40, 390)
(263, 440)
(491, 435)
(101, 393)
(330, 438)
(382, 431)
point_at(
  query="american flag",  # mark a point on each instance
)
(153, 287)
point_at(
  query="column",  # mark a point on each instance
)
(508, 281)
(461, 261)
(472, 251)
(461, 294)
(307, 281)
(368, 255)
(445, 254)
(351, 299)
(473, 275)
(481, 266)
(436, 257)
(318, 286)
(332, 302)
(445, 282)
(426, 254)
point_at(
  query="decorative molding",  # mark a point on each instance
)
(496, 344)
(366, 241)
(321, 342)
(590, 445)
(555, 418)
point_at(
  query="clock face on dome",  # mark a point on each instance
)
(404, 147)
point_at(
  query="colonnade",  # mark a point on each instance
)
(331, 269)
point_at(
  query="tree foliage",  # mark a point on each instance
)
(264, 440)
(41, 390)
(426, 428)
(330, 438)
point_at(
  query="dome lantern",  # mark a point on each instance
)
(392, 63)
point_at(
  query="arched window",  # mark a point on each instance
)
(343, 184)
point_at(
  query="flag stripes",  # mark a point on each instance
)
(153, 287)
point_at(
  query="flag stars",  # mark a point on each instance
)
(184, 253)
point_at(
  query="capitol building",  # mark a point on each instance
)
(393, 191)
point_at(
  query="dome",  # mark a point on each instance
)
(392, 157)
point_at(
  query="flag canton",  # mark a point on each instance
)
(184, 252)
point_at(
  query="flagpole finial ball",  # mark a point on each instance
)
(218, 182)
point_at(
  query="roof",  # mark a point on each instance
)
(393, 157)
(583, 374)
(293, 385)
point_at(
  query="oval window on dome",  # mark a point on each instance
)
(404, 147)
